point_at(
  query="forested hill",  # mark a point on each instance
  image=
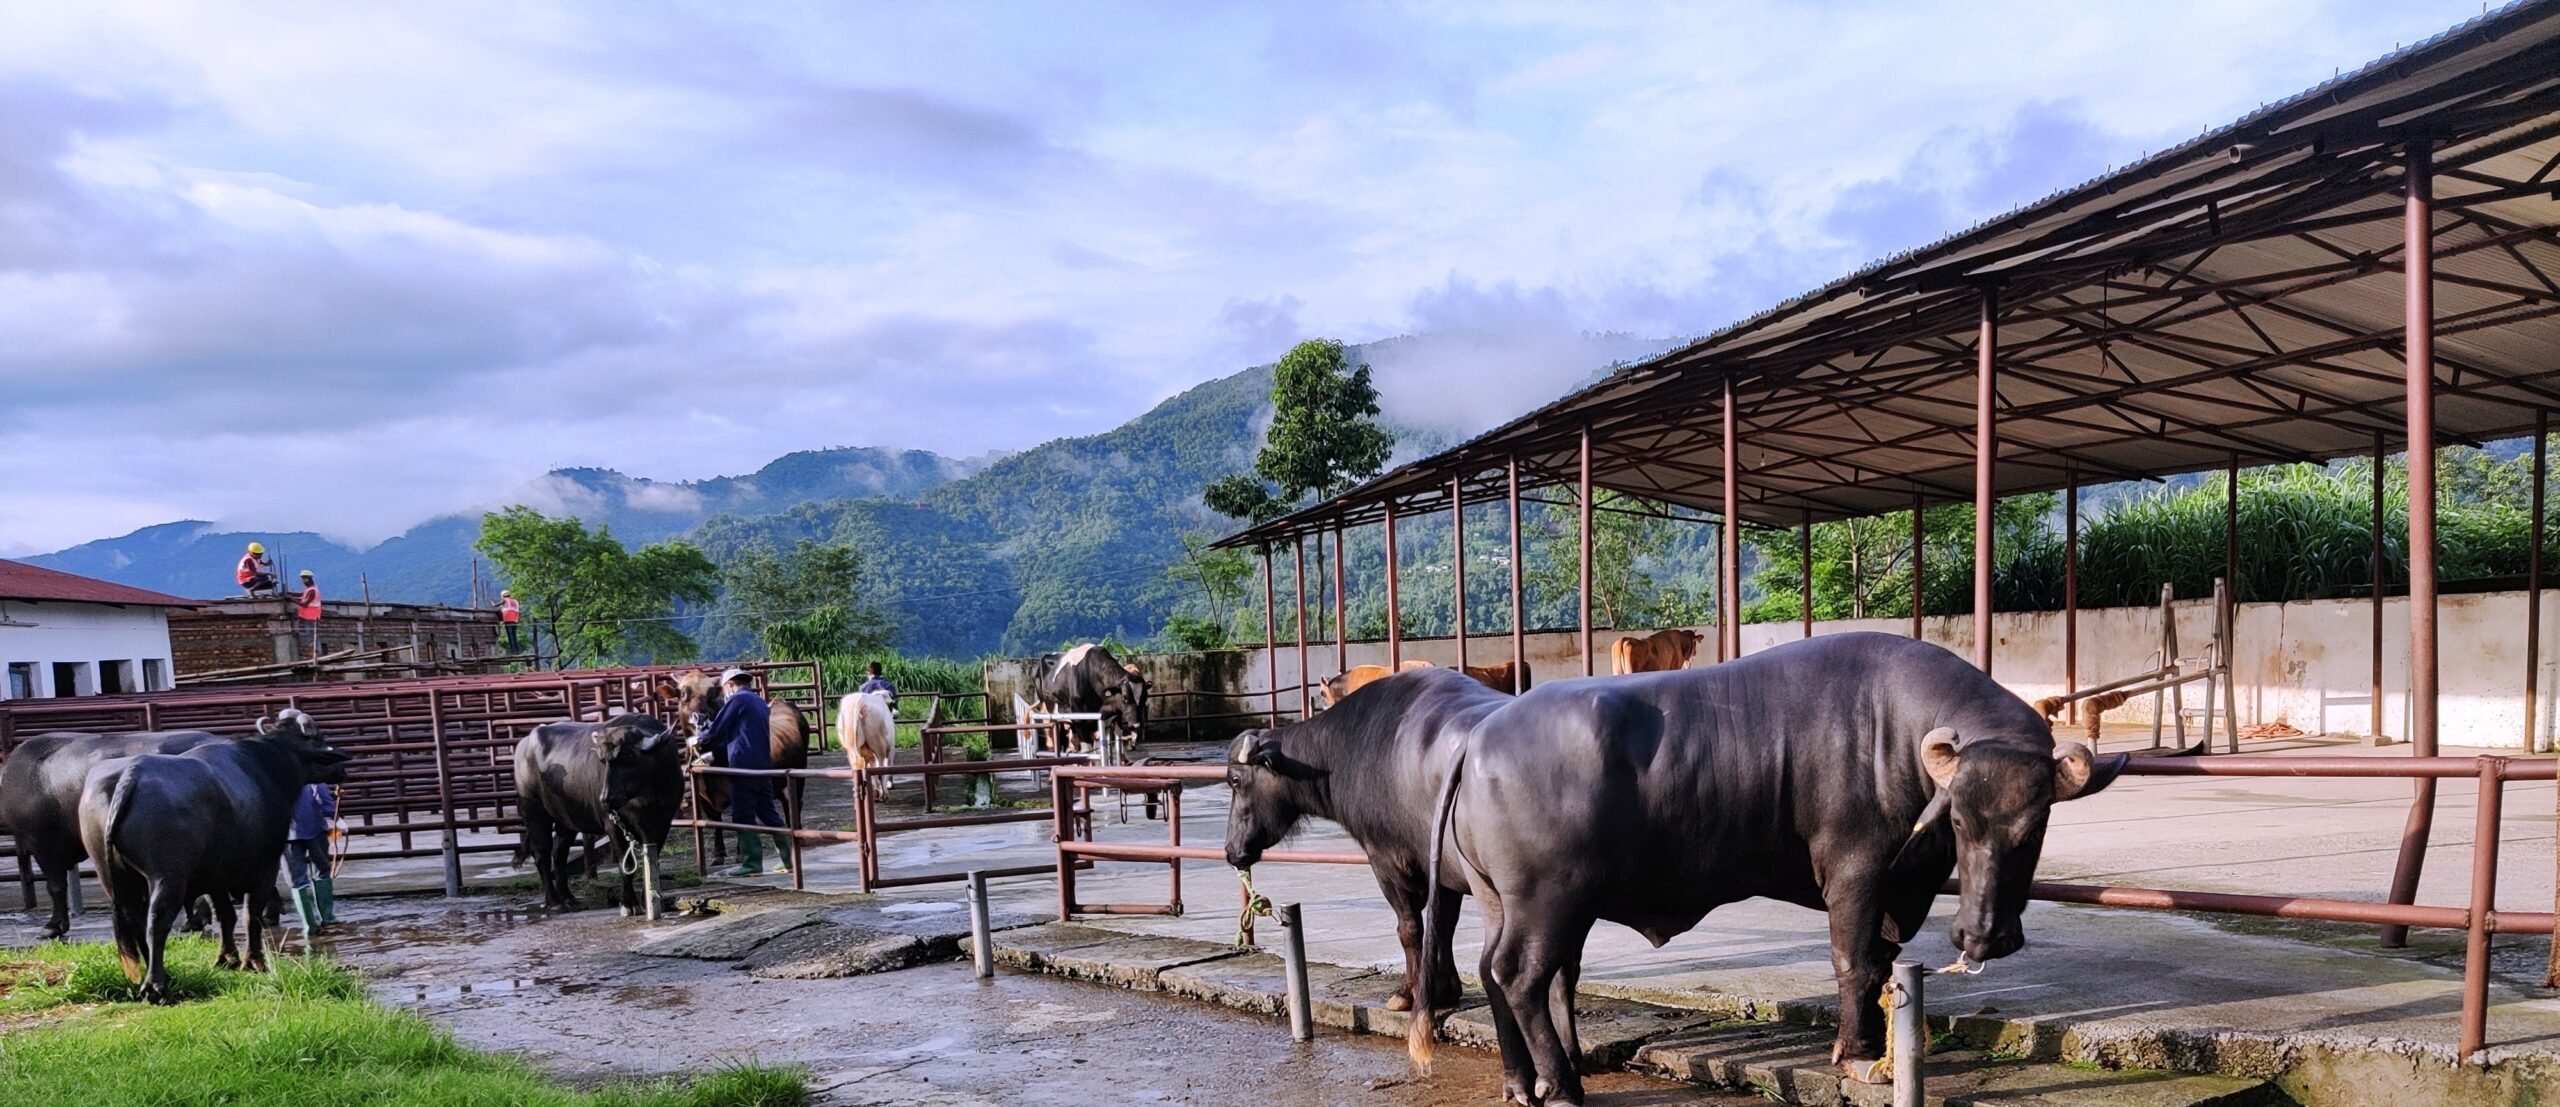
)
(431, 562)
(1069, 539)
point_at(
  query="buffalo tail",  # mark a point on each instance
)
(131, 931)
(1418, 1036)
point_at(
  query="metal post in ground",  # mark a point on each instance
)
(648, 881)
(982, 953)
(1582, 535)
(1986, 396)
(2418, 295)
(1395, 615)
(1910, 1033)
(1729, 534)
(1302, 1023)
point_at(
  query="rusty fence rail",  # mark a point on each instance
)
(2479, 918)
(869, 825)
(434, 756)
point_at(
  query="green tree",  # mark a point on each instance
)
(804, 603)
(1220, 576)
(1624, 538)
(603, 603)
(1324, 436)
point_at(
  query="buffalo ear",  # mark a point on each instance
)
(1938, 755)
(2077, 772)
(665, 690)
(1131, 666)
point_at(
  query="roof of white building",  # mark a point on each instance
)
(21, 581)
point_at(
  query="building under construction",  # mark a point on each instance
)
(258, 640)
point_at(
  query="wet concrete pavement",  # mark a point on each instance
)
(567, 994)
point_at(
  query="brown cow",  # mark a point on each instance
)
(1498, 677)
(1658, 652)
(1349, 680)
(695, 698)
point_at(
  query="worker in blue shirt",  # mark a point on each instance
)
(742, 732)
(306, 856)
(879, 683)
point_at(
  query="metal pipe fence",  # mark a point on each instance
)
(2478, 918)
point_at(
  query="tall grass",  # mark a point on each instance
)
(304, 1034)
(913, 676)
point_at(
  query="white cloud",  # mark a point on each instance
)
(343, 267)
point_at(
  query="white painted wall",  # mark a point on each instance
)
(84, 634)
(2306, 663)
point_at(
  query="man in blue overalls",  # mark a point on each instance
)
(743, 733)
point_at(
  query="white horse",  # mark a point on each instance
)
(868, 727)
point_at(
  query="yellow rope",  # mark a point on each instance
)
(1255, 903)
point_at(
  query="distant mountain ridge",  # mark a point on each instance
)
(1068, 540)
(431, 562)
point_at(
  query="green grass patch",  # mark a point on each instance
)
(304, 1034)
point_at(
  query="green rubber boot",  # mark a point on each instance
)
(306, 906)
(328, 897)
(750, 856)
(782, 854)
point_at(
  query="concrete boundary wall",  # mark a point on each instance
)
(2305, 663)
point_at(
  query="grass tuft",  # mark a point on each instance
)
(304, 1033)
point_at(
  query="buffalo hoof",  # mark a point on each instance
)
(1512, 1092)
(49, 932)
(1866, 1071)
(157, 994)
(255, 964)
(1399, 1002)
(228, 960)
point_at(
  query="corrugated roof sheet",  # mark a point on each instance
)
(2239, 296)
(21, 581)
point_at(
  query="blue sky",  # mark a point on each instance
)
(342, 267)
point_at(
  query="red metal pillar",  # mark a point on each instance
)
(1519, 632)
(1919, 578)
(2071, 590)
(1804, 557)
(1584, 622)
(2227, 615)
(1729, 545)
(1299, 558)
(1395, 614)
(2484, 906)
(1986, 395)
(1341, 627)
(1458, 563)
(2419, 294)
(2533, 580)
(2376, 653)
(1270, 634)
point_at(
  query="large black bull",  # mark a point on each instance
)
(211, 821)
(1088, 679)
(40, 798)
(1374, 763)
(622, 778)
(1797, 774)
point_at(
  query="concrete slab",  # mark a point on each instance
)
(1612, 1030)
(829, 950)
(730, 937)
(1086, 953)
(1792, 1064)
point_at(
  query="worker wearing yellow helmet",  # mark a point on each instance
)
(256, 575)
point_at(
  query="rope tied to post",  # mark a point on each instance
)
(631, 845)
(1255, 904)
(1880, 1070)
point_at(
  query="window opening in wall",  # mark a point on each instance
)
(155, 675)
(22, 680)
(111, 678)
(67, 678)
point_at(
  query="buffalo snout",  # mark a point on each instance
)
(1990, 943)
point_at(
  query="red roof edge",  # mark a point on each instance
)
(21, 581)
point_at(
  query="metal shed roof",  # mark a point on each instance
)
(2237, 296)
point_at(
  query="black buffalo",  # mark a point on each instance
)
(622, 778)
(211, 821)
(1088, 679)
(1798, 774)
(1373, 763)
(40, 799)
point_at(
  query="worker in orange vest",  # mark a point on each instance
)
(309, 610)
(256, 575)
(509, 613)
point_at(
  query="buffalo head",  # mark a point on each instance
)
(1266, 806)
(1998, 796)
(321, 762)
(642, 760)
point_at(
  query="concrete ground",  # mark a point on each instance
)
(2096, 983)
